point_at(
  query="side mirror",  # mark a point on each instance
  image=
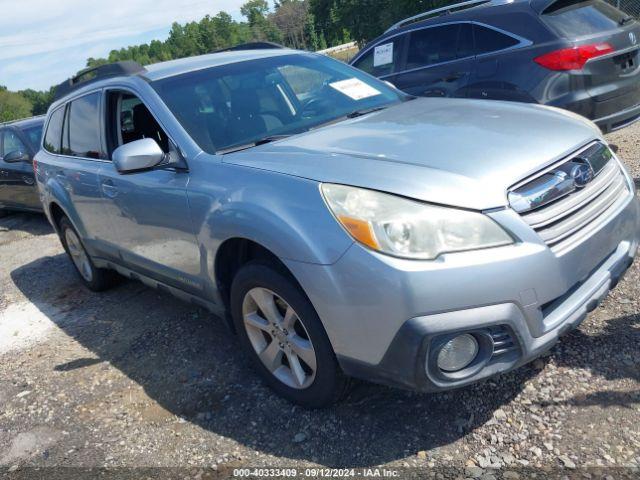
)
(17, 156)
(139, 155)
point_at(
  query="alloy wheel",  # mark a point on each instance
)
(279, 338)
(78, 255)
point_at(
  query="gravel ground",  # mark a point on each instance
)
(132, 378)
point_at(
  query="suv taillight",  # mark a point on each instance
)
(573, 58)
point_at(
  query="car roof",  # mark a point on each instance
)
(157, 71)
(475, 13)
(25, 122)
(171, 68)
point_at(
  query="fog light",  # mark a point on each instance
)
(458, 353)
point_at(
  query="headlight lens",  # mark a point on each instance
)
(410, 229)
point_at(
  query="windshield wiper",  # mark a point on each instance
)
(256, 143)
(367, 111)
(626, 20)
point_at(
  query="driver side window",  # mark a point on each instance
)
(130, 120)
(11, 143)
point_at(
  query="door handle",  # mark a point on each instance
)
(109, 189)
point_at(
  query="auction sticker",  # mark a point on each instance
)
(355, 88)
(383, 55)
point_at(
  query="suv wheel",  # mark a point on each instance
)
(95, 279)
(281, 332)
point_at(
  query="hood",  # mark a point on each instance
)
(465, 153)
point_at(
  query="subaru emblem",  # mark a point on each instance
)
(633, 38)
(582, 174)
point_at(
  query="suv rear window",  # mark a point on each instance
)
(576, 18)
(53, 137)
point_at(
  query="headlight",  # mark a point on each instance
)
(409, 229)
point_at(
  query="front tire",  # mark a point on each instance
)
(282, 333)
(95, 279)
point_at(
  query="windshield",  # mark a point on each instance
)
(34, 134)
(249, 102)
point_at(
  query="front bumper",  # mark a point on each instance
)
(383, 315)
(404, 362)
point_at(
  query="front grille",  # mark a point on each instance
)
(562, 219)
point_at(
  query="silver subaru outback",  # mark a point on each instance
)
(349, 230)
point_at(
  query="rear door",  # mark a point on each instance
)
(74, 137)
(439, 61)
(490, 71)
(19, 189)
(613, 80)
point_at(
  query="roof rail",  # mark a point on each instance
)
(439, 11)
(251, 46)
(16, 120)
(93, 74)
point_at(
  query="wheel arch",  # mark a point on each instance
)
(236, 252)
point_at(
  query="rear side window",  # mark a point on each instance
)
(383, 59)
(576, 18)
(435, 45)
(81, 136)
(53, 137)
(489, 40)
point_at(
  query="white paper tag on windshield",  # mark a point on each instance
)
(383, 55)
(355, 88)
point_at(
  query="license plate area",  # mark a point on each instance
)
(627, 62)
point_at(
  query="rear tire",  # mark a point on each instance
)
(282, 334)
(95, 279)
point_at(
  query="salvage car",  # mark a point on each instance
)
(350, 230)
(19, 141)
(583, 56)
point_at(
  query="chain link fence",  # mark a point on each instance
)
(632, 7)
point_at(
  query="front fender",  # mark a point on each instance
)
(284, 214)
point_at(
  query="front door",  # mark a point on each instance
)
(149, 212)
(439, 61)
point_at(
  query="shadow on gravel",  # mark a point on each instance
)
(612, 354)
(31, 223)
(190, 365)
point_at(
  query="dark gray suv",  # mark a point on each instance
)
(574, 54)
(19, 142)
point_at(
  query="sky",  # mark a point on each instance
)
(43, 42)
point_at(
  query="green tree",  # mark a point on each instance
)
(261, 27)
(39, 101)
(291, 17)
(13, 105)
(363, 20)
